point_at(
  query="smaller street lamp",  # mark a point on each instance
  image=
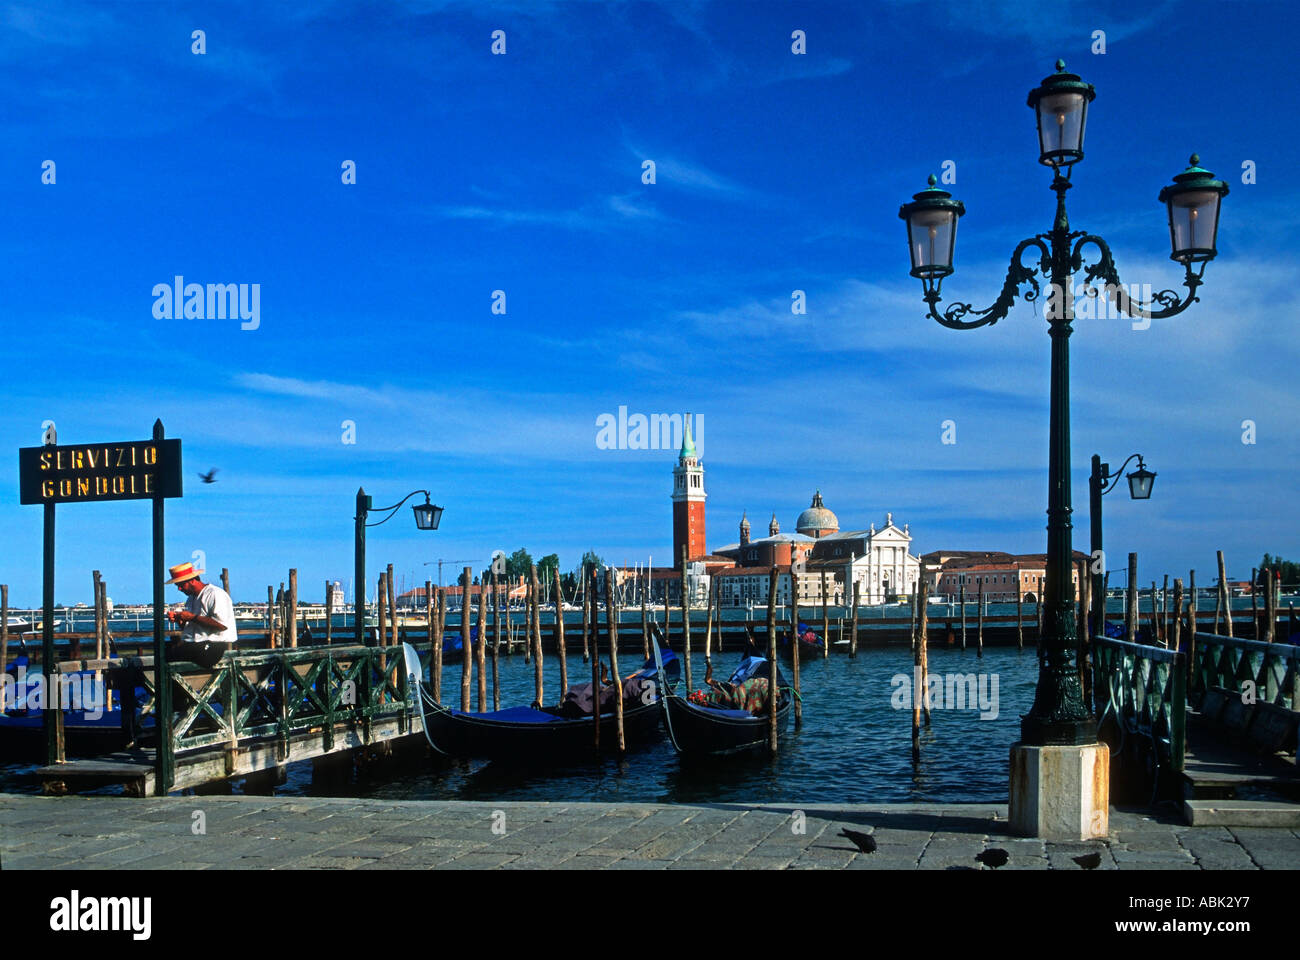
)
(1100, 483)
(1193, 201)
(427, 517)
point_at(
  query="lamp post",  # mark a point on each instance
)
(1101, 482)
(1059, 717)
(427, 517)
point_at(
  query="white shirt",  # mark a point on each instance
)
(212, 602)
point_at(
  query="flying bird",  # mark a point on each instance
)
(993, 857)
(863, 841)
(210, 476)
(1089, 861)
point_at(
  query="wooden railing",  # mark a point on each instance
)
(1144, 688)
(1231, 664)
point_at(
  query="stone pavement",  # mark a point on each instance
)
(244, 832)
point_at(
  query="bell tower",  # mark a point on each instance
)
(688, 499)
(744, 530)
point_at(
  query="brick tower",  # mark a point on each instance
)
(688, 500)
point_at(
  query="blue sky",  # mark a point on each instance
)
(775, 172)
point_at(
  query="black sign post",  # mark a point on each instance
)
(80, 473)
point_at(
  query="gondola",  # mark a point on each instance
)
(542, 735)
(701, 731)
(810, 645)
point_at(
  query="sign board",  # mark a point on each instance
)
(86, 472)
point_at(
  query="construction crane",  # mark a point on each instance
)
(440, 561)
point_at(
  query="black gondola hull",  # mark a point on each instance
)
(479, 736)
(701, 732)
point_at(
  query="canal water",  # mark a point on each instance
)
(854, 745)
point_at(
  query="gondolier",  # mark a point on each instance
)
(208, 632)
(208, 619)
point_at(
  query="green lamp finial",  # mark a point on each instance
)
(1060, 66)
(1195, 160)
(931, 180)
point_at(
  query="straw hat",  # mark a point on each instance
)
(182, 571)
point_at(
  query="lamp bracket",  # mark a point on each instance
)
(1109, 479)
(1017, 274)
(1169, 303)
(391, 511)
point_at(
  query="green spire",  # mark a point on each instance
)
(688, 444)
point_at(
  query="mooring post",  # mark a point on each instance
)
(853, 637)
(923, 640)
(586, 615)
(794, 654)
(480, 650)
(559, 635)
(225, 579)
(293, 607)
(496, 640)
(611, 624)
(1131, 600)
(1190, 660)
(1270, 607)
(329, 614)
(708, 622)
(536, 634)
(466, 649)
(979, 609)
(961, 599)
(1178, 613)
(1227, 597)
(1254, 605)
(772, 692)
(686, 621)
(589, 598)
(439, 631)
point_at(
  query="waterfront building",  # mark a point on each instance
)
(748, 586)
(879, 562)
(996, 572)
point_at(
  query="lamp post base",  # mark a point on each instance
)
(1057, 733)
(1060, 792)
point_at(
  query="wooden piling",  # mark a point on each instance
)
(1270, 607)
(1254, 606)
(611, 626)
(1226, 597)
(466, 648)
(270, 616)
(853, 636)
(918, 694)
(923, 639)
(329, 613)
(536, 638)
(586, 616)
(1155, 617)
(1164, 612)
(496, 640)
(559, 636)
(717, 607)
(645, 615)
(392, 608)
(480, 651)
(961, 599)
(686, 620)
(381, 610)
(439, 630)
(1131, 600)
(1105, 593)
(771, 651)
(826, 619)
(1190, 659)
(589, 598)
(794, 652)
(1178, 613)
(979, 608)
(293, 607)
(1020, 623)
(708, 623)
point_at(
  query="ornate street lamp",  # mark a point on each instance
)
(427, 517)
(1058, 715)
(1100, 482)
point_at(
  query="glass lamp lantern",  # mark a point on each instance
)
(427, 516)
(1193, 201)
(1140, 482)
(1061, 105)
(931, 230)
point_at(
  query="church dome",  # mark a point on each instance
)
(817, 521)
